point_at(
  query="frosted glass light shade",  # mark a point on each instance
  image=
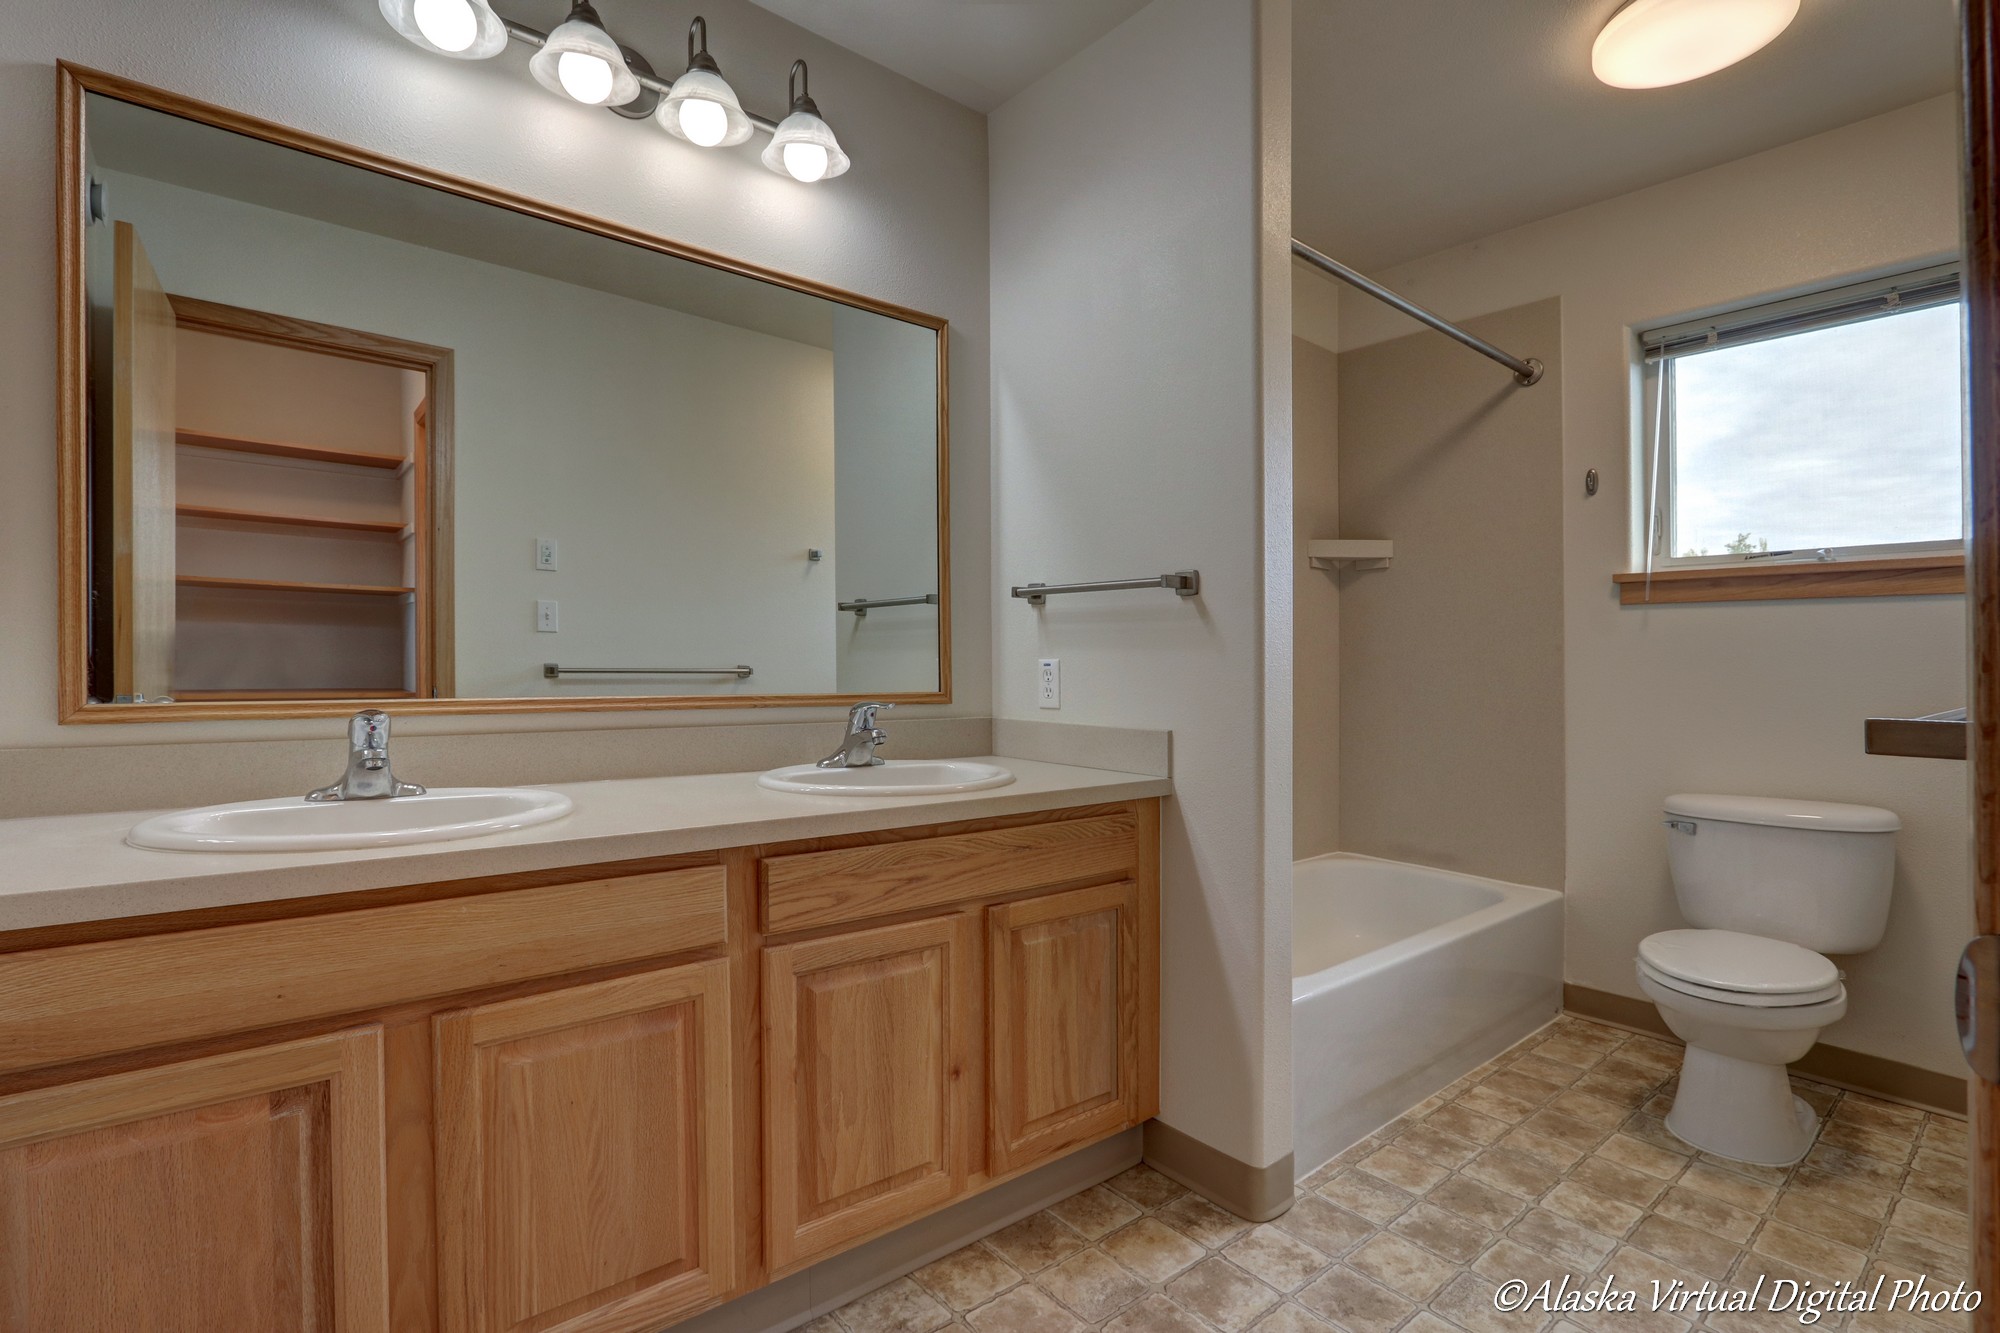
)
(1655, 43)
(581, 62)
(703, 109)
(461, 29)
(804, 149)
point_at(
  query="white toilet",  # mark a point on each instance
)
(1770, 886)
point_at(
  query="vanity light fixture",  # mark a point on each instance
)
(580, 61)
(702, 108)
(583, 62)
(803, 146)
(1656, 43)
(461, 29)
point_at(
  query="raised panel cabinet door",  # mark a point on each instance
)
(1072, 998)
(236, 1193)
(865, 1095)
(585, 1157)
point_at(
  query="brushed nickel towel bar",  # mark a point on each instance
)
(1185, 582)
(860, 606)
(1526, 372)
(550, 671)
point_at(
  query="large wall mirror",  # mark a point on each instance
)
(337, 430)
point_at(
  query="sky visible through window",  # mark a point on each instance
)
(1844, 436)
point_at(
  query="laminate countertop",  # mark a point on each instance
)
(63, 869)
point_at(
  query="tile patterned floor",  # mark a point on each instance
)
(1551, 1159)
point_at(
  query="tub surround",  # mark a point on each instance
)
(75, 868)
(1454, 758)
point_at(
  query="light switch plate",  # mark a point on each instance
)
(545, 553)
(1049, 684)
(547, 621)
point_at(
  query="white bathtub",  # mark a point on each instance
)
(1404, 978)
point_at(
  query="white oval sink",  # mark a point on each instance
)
(293, 824)
(893, 777)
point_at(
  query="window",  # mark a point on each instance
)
(1827, 427)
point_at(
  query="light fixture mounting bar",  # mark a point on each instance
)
(648, 80)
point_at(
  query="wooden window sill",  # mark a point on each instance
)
(1907, 576)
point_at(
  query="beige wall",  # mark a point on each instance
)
(1451, 665)
(1316, 599)
(1137, 324)
(1760, 697)
(908, 224)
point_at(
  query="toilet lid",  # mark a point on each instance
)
(1741, 999)
(1728, 960)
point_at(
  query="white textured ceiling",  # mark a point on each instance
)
(976, 52)
(1422, 124)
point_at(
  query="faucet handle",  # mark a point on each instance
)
(861, 717)
(368, 730)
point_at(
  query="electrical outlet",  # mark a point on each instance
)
(1049, 693)
(547, 621)
(545, 553)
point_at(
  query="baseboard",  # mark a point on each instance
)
(1253, 1193)
(1891, 1080)
(804, 1296)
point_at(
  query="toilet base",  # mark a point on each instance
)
(1741, 1109)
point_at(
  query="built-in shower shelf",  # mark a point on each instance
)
(1350, 553)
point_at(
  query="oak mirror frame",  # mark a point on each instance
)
(96, 683)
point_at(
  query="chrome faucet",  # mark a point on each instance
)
(857, 748)
(368, 777)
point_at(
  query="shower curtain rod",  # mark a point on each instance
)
(1525, 372)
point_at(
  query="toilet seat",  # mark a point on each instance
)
(1730, 967)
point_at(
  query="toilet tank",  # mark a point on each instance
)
(1809, 872)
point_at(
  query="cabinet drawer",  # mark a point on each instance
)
(81, 1000)
(854, 883)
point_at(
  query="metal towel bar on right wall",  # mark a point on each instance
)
(1185, 582)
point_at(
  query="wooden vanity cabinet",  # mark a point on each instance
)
(958, 1006)
(1072, 1015)
(235, 1193)
(867, 1115)
(595, 1100)
(585, 1160)
(503, 1106)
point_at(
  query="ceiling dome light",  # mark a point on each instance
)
(702, 108)
(461, 29)
(1654, 43)
(580, 61)
(804, 147)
